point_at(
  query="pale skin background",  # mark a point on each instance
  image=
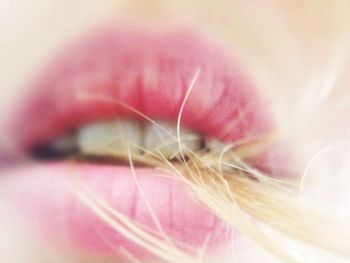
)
(298, 51)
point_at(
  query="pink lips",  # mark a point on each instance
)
(45, 194)
(151, 73)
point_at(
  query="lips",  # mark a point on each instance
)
(150, 73)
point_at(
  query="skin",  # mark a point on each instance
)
(282, 43)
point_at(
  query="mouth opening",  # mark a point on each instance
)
(114, 142)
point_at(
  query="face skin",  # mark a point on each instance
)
(285, 47)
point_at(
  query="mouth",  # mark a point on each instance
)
(121, 96)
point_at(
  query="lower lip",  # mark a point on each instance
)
(48, 196)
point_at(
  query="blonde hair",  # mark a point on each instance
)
(249, 200)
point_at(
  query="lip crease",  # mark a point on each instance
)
(151, 73)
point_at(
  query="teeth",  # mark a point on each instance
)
(110, 137)
(163, 138)
(114, 137)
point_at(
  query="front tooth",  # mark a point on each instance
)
(163, 137)
(107, 138)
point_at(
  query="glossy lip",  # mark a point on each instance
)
(151, 73)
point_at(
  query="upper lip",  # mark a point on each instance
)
(150, 73)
